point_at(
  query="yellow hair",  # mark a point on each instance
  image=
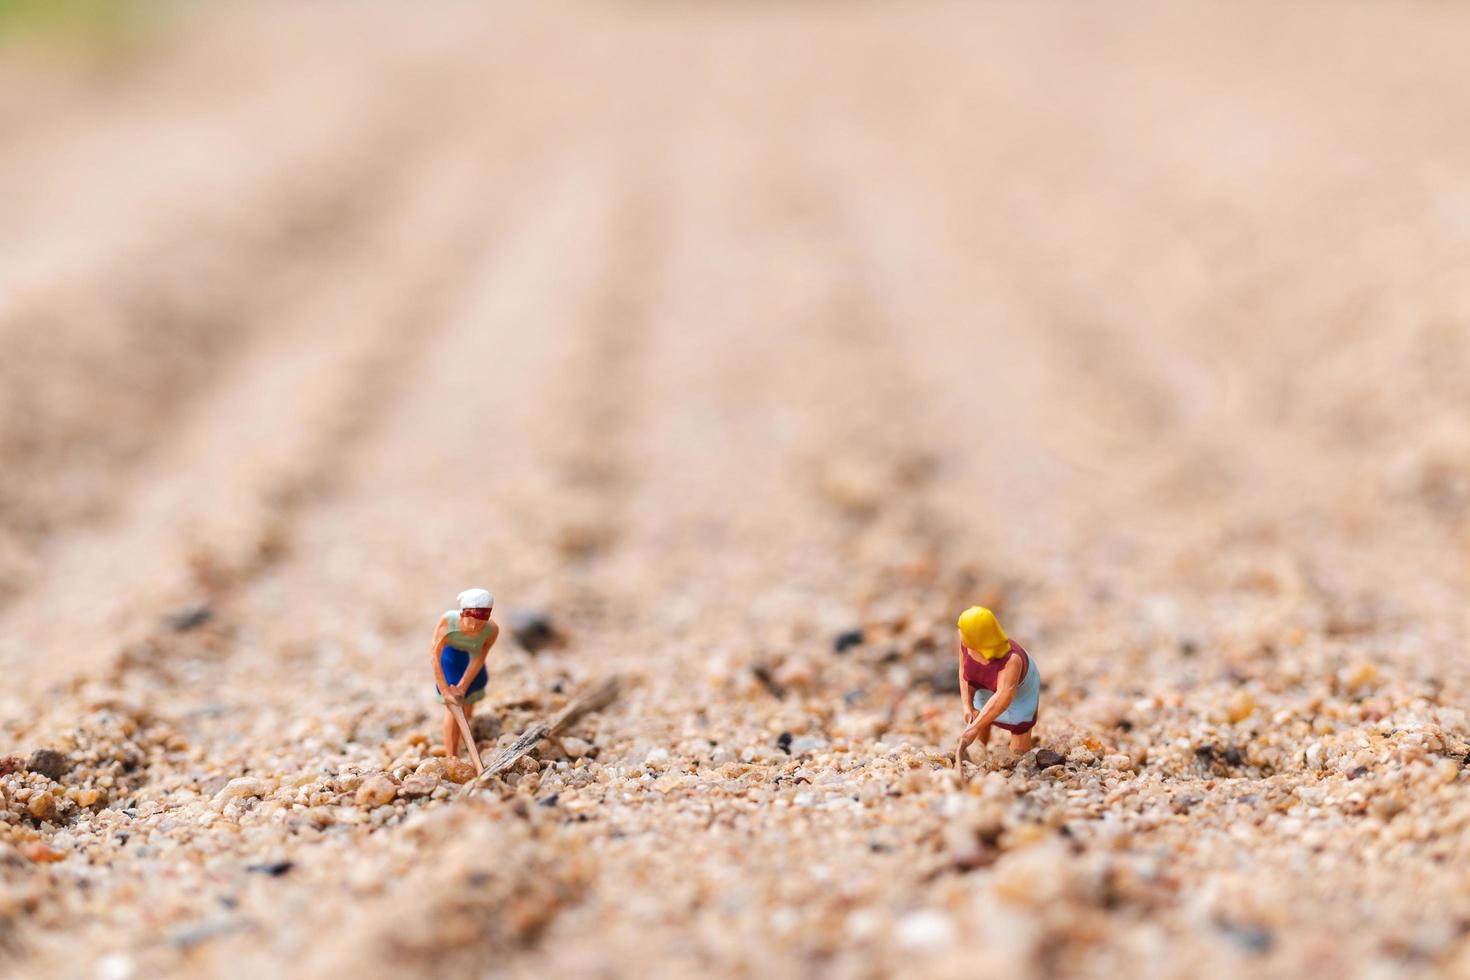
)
(982, 633)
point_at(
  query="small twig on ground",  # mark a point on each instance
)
(599, 698)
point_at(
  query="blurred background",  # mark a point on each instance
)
(717, 328)
(1094, 275)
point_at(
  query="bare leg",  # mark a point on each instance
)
(451, 735)
(1021, 744)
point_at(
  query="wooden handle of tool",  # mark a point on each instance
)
(469, 736)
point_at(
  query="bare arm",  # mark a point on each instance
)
(1009, 683)
(478, 661)
(967, 693)
(440, 681)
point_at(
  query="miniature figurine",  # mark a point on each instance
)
(999, 684)
(462, 641)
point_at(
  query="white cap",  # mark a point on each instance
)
(476, 599)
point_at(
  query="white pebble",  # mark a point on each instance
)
(925, 929)
(241, 787)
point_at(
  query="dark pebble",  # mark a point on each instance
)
(10, 764)
(946, 680)
(1233, 757)
(783, 742)
(1357, 772)
(273, 868)
(549, 800)
(49, 763)
(189, 617)
(534, 630)
(1046, 758)
(189, 936)
(1251, 938)
(762, 673)
(847, 639)
(485, 726)
(1205, 753)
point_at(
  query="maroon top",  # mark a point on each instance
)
(985, 674)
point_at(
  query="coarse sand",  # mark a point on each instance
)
(738, 348)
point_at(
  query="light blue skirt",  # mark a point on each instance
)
(1020, 714)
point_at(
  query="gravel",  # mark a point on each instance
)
(794, 354)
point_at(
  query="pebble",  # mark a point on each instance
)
(458, 771)
(1251, 938)
(534, 630)
(244, 787)
(808, 744)
(1387, 805)
(85, 797)
(848, 639)
(188, 936)
(926, 929)
(420, 784)
(1359, 676)
(1240, 707)
(38, 852)
(575, 748)
(189, 617)
(1081, 756)
(213, 785)
(1046, 758)
(377, 790)
(42, 806)
(49, 763)
(116, 966)
(945, 680)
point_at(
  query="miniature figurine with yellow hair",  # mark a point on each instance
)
(999, 684)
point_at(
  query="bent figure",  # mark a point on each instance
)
(462, 641)
(999, 684)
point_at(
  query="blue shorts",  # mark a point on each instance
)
(454, 662)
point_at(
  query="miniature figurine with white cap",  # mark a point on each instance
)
(462, 641)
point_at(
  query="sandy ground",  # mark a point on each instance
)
(711, 332)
